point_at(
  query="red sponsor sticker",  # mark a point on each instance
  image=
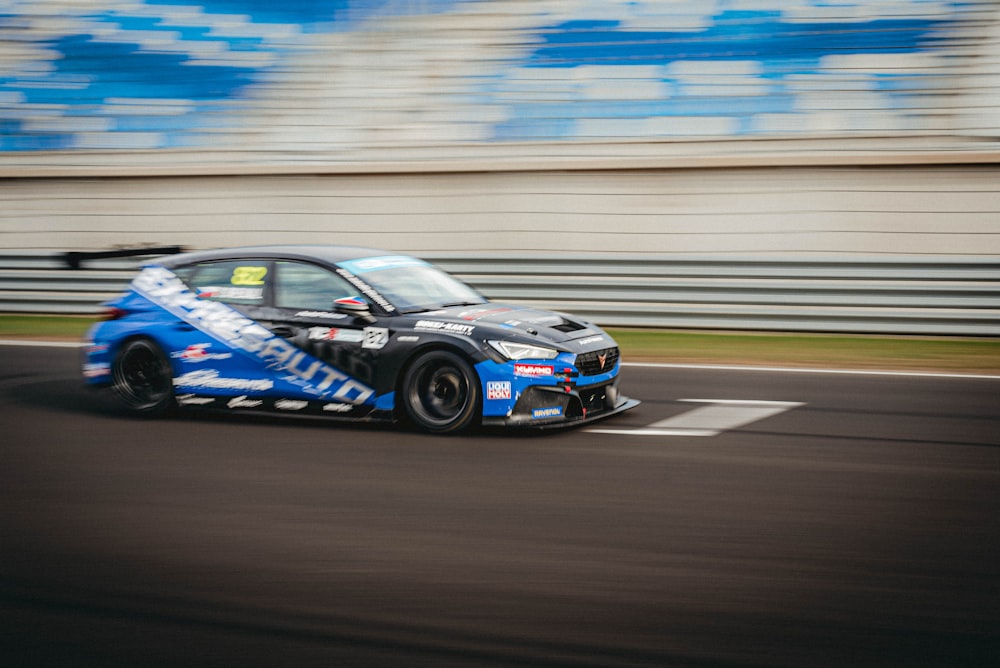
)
(533, 370)
(196, 351)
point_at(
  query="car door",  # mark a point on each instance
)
(305, 314)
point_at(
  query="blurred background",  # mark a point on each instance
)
(796, 128)
(843, 154)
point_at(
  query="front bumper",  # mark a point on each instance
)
(553, 407)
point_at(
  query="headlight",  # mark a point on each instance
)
(522, 351)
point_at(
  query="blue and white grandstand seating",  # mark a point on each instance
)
(145, 74)
(700, 68)
(159, 74)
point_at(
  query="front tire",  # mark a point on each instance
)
(143, 379)
(441, 392)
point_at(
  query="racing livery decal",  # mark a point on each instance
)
(375, 338)
(226, 292)
(227, 325)
(367, 290)
(334, 334)
(96, 370)
(198, 352)
(243, 401)
(449, 327)
(210, 378)
(498, 389)
(534, 370)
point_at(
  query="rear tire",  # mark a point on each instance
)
(441, 393)
(143, 379)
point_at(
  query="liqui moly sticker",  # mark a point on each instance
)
(498, 389)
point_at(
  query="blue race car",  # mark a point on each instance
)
(345, 332)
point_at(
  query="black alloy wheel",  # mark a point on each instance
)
(441, 392)
(143, 379)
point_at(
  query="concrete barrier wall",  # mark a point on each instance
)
(751, 211)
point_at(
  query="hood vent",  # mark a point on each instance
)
(568, 326)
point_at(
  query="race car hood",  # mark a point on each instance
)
(536, 324)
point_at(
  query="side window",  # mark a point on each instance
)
(185, 273)
(307, 287)
(233, 282)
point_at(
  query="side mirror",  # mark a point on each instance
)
(354, 306)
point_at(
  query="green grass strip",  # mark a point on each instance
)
(44, 327)
(942, 354)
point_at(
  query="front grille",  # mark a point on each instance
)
(589, 364)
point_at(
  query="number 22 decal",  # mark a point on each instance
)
(248, 276)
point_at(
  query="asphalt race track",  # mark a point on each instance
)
(736, 518)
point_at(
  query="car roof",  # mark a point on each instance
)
(327, 254)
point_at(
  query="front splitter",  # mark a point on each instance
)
(525, 422)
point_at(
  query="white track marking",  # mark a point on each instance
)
(653, 432)
(43, 344)
(717, 416)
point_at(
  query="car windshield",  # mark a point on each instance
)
(412, 285)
